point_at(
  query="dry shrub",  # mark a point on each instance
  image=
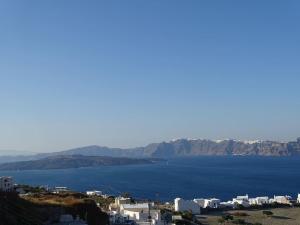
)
(240, 214)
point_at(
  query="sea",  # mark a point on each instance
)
(188, 178)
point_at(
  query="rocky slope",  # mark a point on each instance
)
(45, 208)
(180, 148)
(72, 161)
(198, 147)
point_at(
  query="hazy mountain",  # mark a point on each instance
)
(187, 147)
(16, 158)
(179, 148)
(10, 152)
(184, 147)
(15, 155)
(72, 161)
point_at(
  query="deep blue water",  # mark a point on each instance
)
(221, 177)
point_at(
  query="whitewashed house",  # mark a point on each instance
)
(208, 203)
(200, 201)
(186, 205)
(242, 200)
(121, 200)
(176, 217)
(58, 190)
(259, 200)
(6, 184)
(118, 202)
(117, 218)
(281, 199)
(212, 203)
(141, 207)
(141, 213)
(243, 197)
(228, 204)
(94, 193)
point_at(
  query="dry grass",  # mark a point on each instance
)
(53, 205)
(54, 199)
(281, 216)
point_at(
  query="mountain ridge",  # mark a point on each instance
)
(180, 148)
(192, 147)
(73, 161)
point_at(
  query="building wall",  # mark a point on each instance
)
(132, 215)
(211, 203)
(94, 193)
(242, 202)
(186, 205)
(143, 216)
(259, 200)
(208, 203)
(200, 201)
(6, 184)
(281, 199)
(120, 200)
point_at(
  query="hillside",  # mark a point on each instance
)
(178, 148)
(72, 161)
(198, 147)
(37, 209)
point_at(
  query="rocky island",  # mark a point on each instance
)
(72, 161)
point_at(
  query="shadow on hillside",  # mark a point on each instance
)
(37, 211)
(281, 217)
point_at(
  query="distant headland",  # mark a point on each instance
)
(178, 148)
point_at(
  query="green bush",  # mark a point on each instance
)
(241, 214)
(239, 221)
(239, 206)
(187, 215)
(267, 213)
(227, 217)
(221, 220)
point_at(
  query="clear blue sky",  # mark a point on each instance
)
(127, 73)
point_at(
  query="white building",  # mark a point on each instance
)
(6, 184)
(58, 190)
(141, 207)
(141, 213)
(228, 204)
(176, 217)
(116, 218)
(241, 200)
(94, 193)
(243, 197)
(208, 203)
(298, 198)
(259, 200)
(186, 205)
(281, 199)
(120, 200)
(212, 203)
(200, 201)
(106, 196)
